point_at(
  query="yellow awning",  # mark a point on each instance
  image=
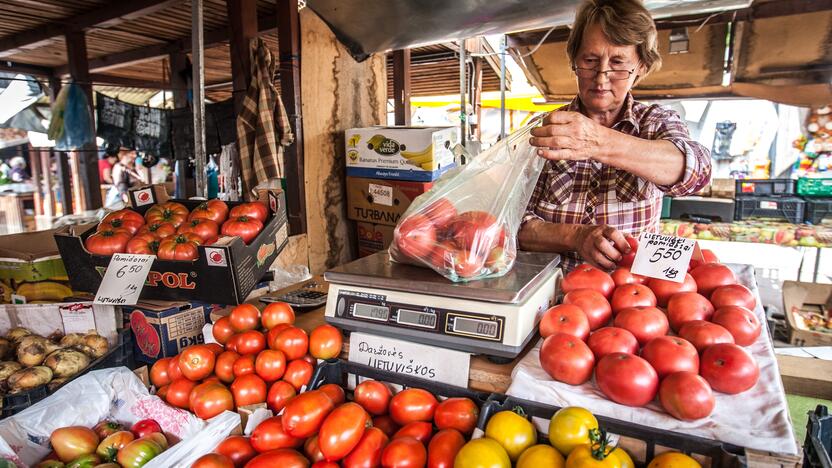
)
(517, 102)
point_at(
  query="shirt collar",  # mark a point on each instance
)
(626, 116)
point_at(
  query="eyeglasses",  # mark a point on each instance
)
(612, 75)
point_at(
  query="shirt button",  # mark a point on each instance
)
(589, 209)
(593, 184)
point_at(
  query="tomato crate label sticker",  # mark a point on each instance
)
(381, 194)
(124, 279)
(402, 357)
(77, 318)
(663, 257)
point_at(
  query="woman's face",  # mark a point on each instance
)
(599, 94)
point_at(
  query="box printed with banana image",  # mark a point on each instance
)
(419, 154)
(31, 269)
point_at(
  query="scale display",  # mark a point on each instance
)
(475, 327)
(416, 318)
(372, 312)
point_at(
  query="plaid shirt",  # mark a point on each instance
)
(588, 192)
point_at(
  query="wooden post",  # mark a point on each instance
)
(242, 16)
(401, 86)
(48, 199)
(34, 162)
(288, 39)
(178, 63)
(64, 183)
(90, 185)
(476, 97)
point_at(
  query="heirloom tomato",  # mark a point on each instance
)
(255, 210)
(457, 413)
(106, 428)
(671, 354)
(595, 306)
(180, 247)
(406, 452)
(443, 448)
(197, 362)
(325, 342)
(622, 276)
(566, 359)
(686, 396)
(279, 394)
(419, 430)
(126, 215)
(131, 225)
(282, 458)
(143, 244)
(270, 435)
(569, 428)
(298, 373)
(626, 379)
(110, 445)
(213, 460)
(512, 431)
(368, 451)
(733, 294)
(304, 414)
(686, 307)
(160, 230)
(373, 396)
(248, 390)
(293, 342)
(711, 276)
(244, 317)
(586, 276)
(138, 453)
(609, 340)
(276, 313)
(665, 289)
(728, 368)
(108, 242)
(238, 449)
(480, 453)
(740, 322)
(215, 210)
(632, 295)
(645, 323)
(72, 442)
(415, 237)
(204, 228)
(210, 399)
(702, 334)
(440, 212)
(342, 430)
(565, 318)
(243, 227)
(270, 365)
(168, 212)
(412, 404)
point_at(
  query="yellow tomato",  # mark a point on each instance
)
(582, 457)
(511, 430)
(673, 460)
(624, 457)
(482, 453)
(570, 427)
(540, 456)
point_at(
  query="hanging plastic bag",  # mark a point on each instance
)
(77, 120)
(465, 227)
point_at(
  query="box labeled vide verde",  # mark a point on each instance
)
(419, 154)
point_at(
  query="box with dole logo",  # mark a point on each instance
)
(373, 238)
(405, 153)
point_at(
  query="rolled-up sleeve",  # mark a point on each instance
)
(697, 173)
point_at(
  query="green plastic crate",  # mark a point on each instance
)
(666, 201)
(814, 186)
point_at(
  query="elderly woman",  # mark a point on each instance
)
(610, 158)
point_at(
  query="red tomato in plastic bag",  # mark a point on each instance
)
(728, 368)
(160, 230)
(671, 354)
(342, 430)
(271, 435)
(180, 247)
(373, 396)
(215, 210)
(72, 442)
(457, 413)
(711, 276)
(685, 307)
(168, 212)
(565, 318)
(256, 210)
(664, 289)
(586, 276)
(626, 379)
(442, 256)
(733, 294)
(566, 359)
(622, 276)
(415, 237)
(610, 340)
(108, 242)
(595, 306)
(468, 264)
(645, 323)
(412, 404)
(244, 227)
(477, 231)
(702, 334)
(440, 212)
(740, 322)
(631, 295)
(204, 228)
(686, 396)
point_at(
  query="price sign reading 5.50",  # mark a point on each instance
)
(124, 279)
(663, 257)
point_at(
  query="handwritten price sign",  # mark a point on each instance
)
(663, 257)
(124, 279)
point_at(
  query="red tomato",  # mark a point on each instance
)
(325, 342)
(373, 396)
(224, 367)
(271, 336)
(248, 390)
(312, 361)
(664, 289)
(406, 452)
(276, 313)
(711, 276)
(708, 257)
(256, 210)
(368, 451)
(500, 258)
(204, 228)
(179, 393)
(271, 435)
(415, 236)
(298, 373)
(213, 460)
(279, 394)
(143, 244)
(685, 307)
(238, 449)
(197, 362)
(702, 334)
(313, 450)
(386, 424)
(243, 227)
(412, 404)
(457, 413)
(565, 318)
(126, 215)
(180, 247)
(733, 294)
(174, 372)
(477, 231)
(334, 392)
(244, 365)
(215, 210)
(145, 427)
(304, 414)
(270, 365)
(610, 340)
(215, 348)
(686, 396)
(595, 306)
(566, 359)
(342, 430)
(671, 354)
(467, 263)
(108, 242)
(159, 376)
(645, 323)
(740, 322)
(587, 276)
(107, 428)
(162, 392)
(632, 295)
(283, 458)
(244, 317)
(728, 368)
(440, 212)
(626, 379)
(443, 448)
(168, 212)
(160, 230)
(419, 430)
(627, 259)
(210, 399)
(251, 342)
(622, 276)
(293, 341)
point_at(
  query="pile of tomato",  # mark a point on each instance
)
(108, 444)
(171, 232)
(457, 245)
(265, 359)
(645, 337)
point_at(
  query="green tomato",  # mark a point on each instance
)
(85, 461)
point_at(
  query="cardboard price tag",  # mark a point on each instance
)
(124, 279)
(663, 257)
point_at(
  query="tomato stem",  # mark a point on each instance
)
(600, 445)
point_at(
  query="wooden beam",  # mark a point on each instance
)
(64, 183)
(109, 15)
(401, 86)
(179, 71)
(34, 163)
(98, 78)
(288, 40)
(242, 17)
(45, 156)
(25, 68)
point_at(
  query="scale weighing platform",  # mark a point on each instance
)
(495, 317)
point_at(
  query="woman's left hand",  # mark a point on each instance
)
(569, 136)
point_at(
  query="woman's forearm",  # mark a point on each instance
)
(539, 236)
(658, 161)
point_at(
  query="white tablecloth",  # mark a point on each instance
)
(757, 418)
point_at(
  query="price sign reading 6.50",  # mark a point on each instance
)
(663, 257)
(124, 279)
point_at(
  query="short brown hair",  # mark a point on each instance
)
(624, 22)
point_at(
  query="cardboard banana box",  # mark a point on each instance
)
(31, 269)
(419, 154)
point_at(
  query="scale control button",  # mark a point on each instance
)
(341, 306)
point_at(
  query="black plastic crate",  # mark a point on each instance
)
(746, 187)
(818, 209)
(640, 442)
(120, 355)
(789, 209)
(818, 444)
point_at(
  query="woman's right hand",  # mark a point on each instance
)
(602, 246)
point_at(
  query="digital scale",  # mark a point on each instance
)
(496, 317)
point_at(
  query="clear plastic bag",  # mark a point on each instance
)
(465, 227)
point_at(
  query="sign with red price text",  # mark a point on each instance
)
(663, 257)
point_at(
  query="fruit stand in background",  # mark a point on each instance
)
(756, 231)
